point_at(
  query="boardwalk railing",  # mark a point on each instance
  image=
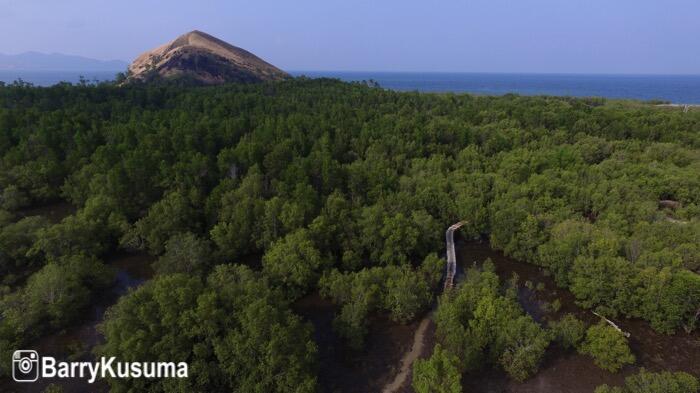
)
(451, 255)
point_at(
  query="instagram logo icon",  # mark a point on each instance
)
(25, 366)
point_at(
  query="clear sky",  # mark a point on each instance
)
(564, 36)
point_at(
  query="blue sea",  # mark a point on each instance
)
(679, 89)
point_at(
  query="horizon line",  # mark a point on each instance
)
(300, 72)
(577, 73)
(573, 73)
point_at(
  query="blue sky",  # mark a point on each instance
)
(563, 36)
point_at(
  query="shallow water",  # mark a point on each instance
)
(77, 341)
(344, 370)
(568, 371)
(54, 212)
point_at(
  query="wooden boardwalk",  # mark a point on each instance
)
(417, 348)
(451, 254)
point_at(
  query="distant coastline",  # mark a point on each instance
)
(48, 78)
(37, 61)
(674, 89)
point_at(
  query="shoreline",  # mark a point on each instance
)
(646, 89)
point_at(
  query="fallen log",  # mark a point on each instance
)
(611, 323)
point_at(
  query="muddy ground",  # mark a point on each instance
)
(562, 371)
(344, 370)
(77, 341)
(567, 371)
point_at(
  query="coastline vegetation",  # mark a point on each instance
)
(253, 196)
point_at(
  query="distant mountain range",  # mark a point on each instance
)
(35, 61)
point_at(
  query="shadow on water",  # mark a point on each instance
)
(344, 370)
(76, 342)
(54, 212)
(568, 371)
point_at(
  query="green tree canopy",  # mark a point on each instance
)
(437, 374)
(607, 346)
(649, 382)
(235, 333)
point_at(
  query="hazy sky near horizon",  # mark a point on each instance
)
(561, 36)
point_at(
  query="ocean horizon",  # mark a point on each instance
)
(677, 89)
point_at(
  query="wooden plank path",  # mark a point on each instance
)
(451, 254)
(417, 348)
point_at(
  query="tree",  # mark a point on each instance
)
(438, 374)
(607, 346)
(235, 233)
(400, 237)
(374, 176)
(401, 291)
(185, 253)
(13, 198)
(480, 325)
(171, 215)
(235, 332)
(524, 346)
(662, 382)
(429, 231)
(52, 298)
(335, 224)
(433, 269)
(272, 227)
(16, 239)
(672, 299)
(293, 263)
(568, 331)
(598, 281)
(568, 240)
(351, 323)
(92, 230)
(407, 293)
(63, 287)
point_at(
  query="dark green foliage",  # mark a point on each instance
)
(406, 294)
(93, 230)
(171, 215)
(438, 374)
(568, 331)
(607, 346)
(55, 293)
(13, 198)
(672, 299)
(239, 212)
(234, 331)
(662, 382)
(478, 323)
(293, 263)
(401, 291)
(185, 253)
(61, 288)
(523, 343)
(433, 267)
(16, 239)
(51, 298)
(318, 175)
